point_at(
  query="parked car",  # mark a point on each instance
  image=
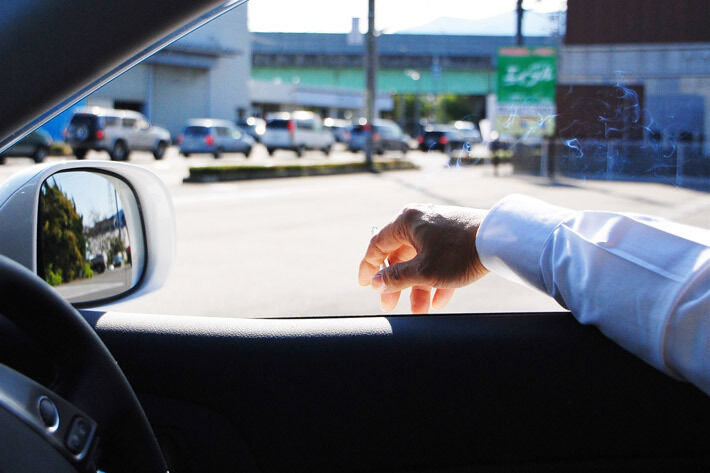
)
(118, 132)
(388, 136)
(99, 263)
(339, 127)
(448, 138)
(207, 135)
(253, 126)
(297, 131)
(35, 145)
(469, 130)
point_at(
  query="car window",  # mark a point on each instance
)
(305, 124)
(196, 131)
(129, 122)
(277, 124)
(384, 131)
(590, 108)
(111, 121)
(82, 119)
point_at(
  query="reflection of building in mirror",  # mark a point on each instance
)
(84, 247)
(108, 244)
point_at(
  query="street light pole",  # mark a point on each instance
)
(519, 26)
(371, 65)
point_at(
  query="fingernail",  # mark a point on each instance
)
(378, 283)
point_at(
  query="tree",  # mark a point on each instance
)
(63, 245)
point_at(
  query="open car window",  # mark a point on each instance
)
(580, 111)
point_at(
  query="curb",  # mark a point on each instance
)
(245, 172)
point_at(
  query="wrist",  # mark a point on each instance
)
(513, 234)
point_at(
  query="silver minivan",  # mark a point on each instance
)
(213, 136)
(296, 131)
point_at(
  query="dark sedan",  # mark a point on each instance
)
(448, 139)
(35, 145)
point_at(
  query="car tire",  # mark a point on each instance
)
(187, 155)
(119, 152)
(218, 153)
(2, 160)
(326, 150)
(80, 153)
(270, 151)
(40, 154)
(299, 151)
(248, 152)
(159, 151)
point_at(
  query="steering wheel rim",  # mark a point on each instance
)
(89, 376)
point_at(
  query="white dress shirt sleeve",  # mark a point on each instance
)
(644, 282)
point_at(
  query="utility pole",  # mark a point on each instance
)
(370, 92)
(519, 31)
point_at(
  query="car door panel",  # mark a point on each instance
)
(535, 391)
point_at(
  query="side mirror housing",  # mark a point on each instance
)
(100, 232)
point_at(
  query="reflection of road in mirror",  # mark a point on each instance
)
(100, 286)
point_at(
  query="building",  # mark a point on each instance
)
(204, 74)
(325, 69)
(657, 51)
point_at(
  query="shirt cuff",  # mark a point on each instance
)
(513, 234)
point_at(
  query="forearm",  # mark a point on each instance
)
(637, 279)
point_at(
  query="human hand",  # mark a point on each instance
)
(427, 247)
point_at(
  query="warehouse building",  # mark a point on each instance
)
(204, 74)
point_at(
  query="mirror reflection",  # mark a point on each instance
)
(90, 240)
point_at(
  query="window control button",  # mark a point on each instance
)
(78, 435)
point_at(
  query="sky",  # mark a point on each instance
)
(92, 193)
(334, 16)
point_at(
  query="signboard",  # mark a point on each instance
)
(526, 91)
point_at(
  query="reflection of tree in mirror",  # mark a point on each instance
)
(61, 233)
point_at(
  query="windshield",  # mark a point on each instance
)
(594, 105)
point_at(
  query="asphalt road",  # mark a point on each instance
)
(291, 247)
(101, 285)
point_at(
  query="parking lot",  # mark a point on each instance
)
(290, 247)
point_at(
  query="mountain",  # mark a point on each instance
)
(534, 24)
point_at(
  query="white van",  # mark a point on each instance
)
(296, 131)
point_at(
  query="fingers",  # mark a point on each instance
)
(400, 276)
(420, 298)
(389, 300)
(381, 245)
(441, 298)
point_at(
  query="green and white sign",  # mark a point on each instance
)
(526, 91)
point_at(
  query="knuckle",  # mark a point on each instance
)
(394, 273)
(410, 214)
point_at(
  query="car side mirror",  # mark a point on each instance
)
(97, 232)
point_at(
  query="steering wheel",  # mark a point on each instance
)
(89, 377)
